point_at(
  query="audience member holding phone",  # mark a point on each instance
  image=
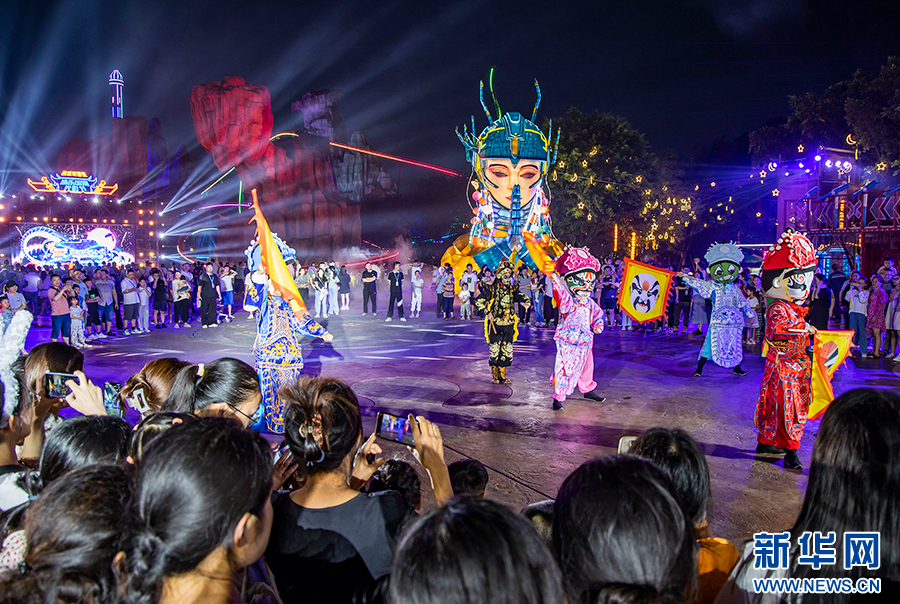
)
(329, 541)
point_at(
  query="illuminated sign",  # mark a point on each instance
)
(72, 181)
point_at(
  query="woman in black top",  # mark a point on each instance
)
(344, 280)
(819, 303)
(330, 542)
(160, 298)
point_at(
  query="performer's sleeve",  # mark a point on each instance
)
(596, 317)
(566, 303)
(310, 328)
(481, 302)
(701, 286)
(253, 296)
(778, 322)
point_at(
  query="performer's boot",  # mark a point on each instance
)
(792, 460)
(557, 405)
(762, 449)
(495, 371)
(700, 365)
(739, 371)
(593, 396)
(503, 378)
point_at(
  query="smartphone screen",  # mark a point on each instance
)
(625, 444)
(394, 427)
(111, 392)
(55, 384)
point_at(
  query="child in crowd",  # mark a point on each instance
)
(6, 314)
(92, 301)
(143, 292)
(751, 324)
(465, 305)
(77, 316)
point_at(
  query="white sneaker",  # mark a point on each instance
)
(214, 325)
(176, 326)
(127, 332)
(388, 320)
(204, 326)
(364, 314)
(102, 335)
(403, 319)
(897, 358)
(85, 345)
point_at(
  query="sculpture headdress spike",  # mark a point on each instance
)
(483, 105)
(491, 86)
(537, 103)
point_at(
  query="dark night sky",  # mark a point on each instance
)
(682, 71)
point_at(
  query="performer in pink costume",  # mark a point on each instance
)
(580, 318)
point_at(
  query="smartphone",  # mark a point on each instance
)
(55, 384)
(111, 392)
(625, 444)
(393, 427)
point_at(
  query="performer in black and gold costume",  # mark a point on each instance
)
(498, 303)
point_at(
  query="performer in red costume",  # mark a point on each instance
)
(787, 275)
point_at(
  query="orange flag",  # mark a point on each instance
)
(830, 350)
(274, 264)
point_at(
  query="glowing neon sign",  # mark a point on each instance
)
(73, 181)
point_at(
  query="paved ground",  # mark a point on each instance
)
(439, 369)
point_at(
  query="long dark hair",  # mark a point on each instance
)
(225, 380)
(194, 484)
(328, 404)
(474, 551)
(621, 534)
(854, 481)
(679, 456)
(73, 444)
(74, 531)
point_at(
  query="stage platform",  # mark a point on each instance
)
(439, 369)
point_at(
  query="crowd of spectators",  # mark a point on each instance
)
(189, 505)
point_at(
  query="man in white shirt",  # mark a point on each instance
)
(130, 300)
(32, 286)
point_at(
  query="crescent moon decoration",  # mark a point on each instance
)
(850, 140)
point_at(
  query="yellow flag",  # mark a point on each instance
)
(830, 349)
(644, 292)
(273, 262)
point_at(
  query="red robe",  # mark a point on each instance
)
(785, 395)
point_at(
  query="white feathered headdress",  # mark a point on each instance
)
(12, 341)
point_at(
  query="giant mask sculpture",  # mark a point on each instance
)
(510, 160)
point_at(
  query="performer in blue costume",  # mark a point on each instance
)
(279, 359)
(723, 342)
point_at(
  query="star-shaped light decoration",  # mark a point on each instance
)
(776, 193)
(800, 148)
(881, 166)
(762, 173)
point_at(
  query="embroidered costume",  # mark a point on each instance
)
(724, 343)
(281, 320)
(785, 395)
(580, 318)
(498, 303)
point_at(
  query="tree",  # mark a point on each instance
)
(865, 107)
(606, 176)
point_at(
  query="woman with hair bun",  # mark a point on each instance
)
(621, 534)
(330, 543)
(221, 388)
(203, 513)
(152, 384)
